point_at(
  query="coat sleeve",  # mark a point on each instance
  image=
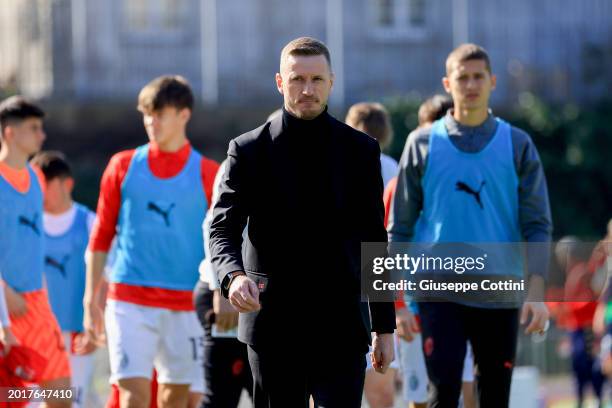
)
(229, 217)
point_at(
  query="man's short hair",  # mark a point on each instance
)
(372, 118)
(305, 46)
(163, 91)
(53, 164)
(16, 109)
(467, 52)
(434, 108)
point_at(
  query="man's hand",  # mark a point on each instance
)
(82, 346)
(15, 302)
(7, 339)
(539, 318)
(93, 326)
(226, 318)
(244, 295)
(383, 352)
(406, 323)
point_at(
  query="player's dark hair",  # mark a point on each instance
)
(53, 164)
(434, 108)
(167, 90)
(467, 52)
(16, 109)
(373, 119)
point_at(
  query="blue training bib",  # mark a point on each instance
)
(159, 238)
(21, 235)
(65, 271)
(472, 197)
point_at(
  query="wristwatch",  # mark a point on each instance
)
(227, 281)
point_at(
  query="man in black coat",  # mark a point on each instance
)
(310, 189)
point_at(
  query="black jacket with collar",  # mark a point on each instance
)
(311, 192)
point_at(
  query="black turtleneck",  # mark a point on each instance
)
(314, 127)
(306, 147)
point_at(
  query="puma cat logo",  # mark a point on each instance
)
(164, 213)
(60, 266)
(461, 186)
(30, 223)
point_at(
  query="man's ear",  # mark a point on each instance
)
(185, 114)
(68, 183)
(7, 134)
(279, 82)
(446, 84)
(493, 81)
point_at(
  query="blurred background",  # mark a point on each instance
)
(86, 60)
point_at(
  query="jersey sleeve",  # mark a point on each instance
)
(109, 202)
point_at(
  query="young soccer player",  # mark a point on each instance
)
(472, 177)
(21, 213)
(154, 199)
(67, 226)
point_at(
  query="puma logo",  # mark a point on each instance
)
(461, 186)
(164, 213)
(54, 263)
(30, 223)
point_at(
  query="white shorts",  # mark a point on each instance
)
(82, 368)
(394, 364)
(414, 371)
(141, 338)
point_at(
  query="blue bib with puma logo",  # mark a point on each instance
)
(472, 197)
(159, 237)
(65, 271)
(21, 235)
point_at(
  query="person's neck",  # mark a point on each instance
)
(173, 144)
(13, 158)
(471, 118)
(61, 208)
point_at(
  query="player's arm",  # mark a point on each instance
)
(408, 198)
(100, 241)
(536, 226)
(6, 335)
(404, 209)
(15, 302)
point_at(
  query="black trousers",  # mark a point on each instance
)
(493, 335)
(287, 376)
(226, 365)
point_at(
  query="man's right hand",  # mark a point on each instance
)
(226, 318)
(244, 295)
(407, 325)
(15, 302)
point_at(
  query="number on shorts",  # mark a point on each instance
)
(197, 344)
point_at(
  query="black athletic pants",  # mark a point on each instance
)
(493, 335)
(226, 365)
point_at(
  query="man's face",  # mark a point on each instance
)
(165, 124)
(305, 82)
(27, 136)
(470, 85)
(58, 192)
